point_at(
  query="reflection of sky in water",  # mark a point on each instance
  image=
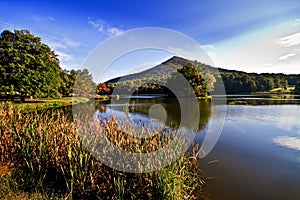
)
(138, 122)
(283, 122)
(288, 141)
(258, 153)
(286, 117)
(137, 119)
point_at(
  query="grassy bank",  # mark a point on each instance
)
(42, 157)
(38, 104)
(280, 90)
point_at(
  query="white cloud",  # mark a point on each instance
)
(43, 18)
(64, 56)
(207, 46)
(54, 44)
(285, 57)
(211, 54)
(114, 31)
(61, 46)
(104, 27)
(98, 24)
(290, 40)
(288, 141)
(69, 65)
(70, 43)
(272, 49)
(64, 43)
(295, 22)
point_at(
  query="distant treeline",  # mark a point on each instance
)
(236, 82)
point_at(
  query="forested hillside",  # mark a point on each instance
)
(153, 80)
(235, 82)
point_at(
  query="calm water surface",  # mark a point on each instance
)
(258, 152)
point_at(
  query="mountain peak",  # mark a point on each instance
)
(177, 62)
(173, 63)
(176, 59)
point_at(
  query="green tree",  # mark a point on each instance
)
(277, 82)
(84, 85)
(68, 80)
(27, 66)
(196, 80)
(297, 88)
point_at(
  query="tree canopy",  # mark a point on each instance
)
(196, 80)
(30, 68)
(27, 66)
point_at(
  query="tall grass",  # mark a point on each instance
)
(46, 154)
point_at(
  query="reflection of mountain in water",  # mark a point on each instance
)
(171, 106)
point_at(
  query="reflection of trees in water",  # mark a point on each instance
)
(272, 99)
(172, 107)
(174, 114)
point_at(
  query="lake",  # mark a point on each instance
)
(257, 155)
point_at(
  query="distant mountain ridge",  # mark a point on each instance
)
(235, 82)
(165, 68)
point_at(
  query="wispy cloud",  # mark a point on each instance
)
(72, 43)
(290, 40)
(114, 31)
(64, 56)
(43, 18)
(207, 46)
(104, 27)
(6, 24)
(61, 43)
(285, 57)
(61, 46)
(270, 49)
(295, 22)
(209, 49)
(55, 44)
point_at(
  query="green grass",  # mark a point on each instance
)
(38, 104)
(44, 103)
(47, 160)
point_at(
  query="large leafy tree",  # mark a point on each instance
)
(27, 66)
(83, 84)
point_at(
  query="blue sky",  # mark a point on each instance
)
(253, 36)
